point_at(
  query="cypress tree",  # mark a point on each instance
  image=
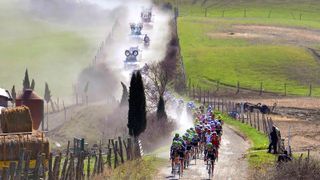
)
(161, 111)
(47, 94)
(26, 81)
(124, 98)
(13, 94)
(33, 84)
(137, 121)
(47, 98)
(132, 107)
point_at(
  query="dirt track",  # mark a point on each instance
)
(272, 34)
(231, 163)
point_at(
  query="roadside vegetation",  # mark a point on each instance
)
(144, 168)
(257, 155)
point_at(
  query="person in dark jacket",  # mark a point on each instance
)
(274, 140)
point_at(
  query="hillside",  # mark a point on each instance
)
(93, 122)
(52, 49)
(251, 42)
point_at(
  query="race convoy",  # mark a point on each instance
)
(200, 142)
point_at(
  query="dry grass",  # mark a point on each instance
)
(138, 169)
(296, 169)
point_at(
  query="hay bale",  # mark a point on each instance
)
(15, 120)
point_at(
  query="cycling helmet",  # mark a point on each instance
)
(209, 145)
(176, 135)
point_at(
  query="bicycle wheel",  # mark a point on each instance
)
(209, 170)
(179, 170)
(212, 171)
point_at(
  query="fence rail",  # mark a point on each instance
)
(72, 165)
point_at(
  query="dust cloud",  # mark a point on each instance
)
(111, 52)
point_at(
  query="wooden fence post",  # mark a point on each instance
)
(26, 168)
(194, 94)
(20, 162)
(199, 95)
(238, 87)
(78, 175)
(254, 120)
(300, 16)
(50, 167)
(70, 170)
(218, 86)
(261, 88)
(115, 150)
(12, 170)
(258, 118)
(121, 150)
(102, 163)
(5, 173)
(310, 90)
(95, 165)
(204, 97)
(88, 167)
(269, 15)
(37, 167)
(129, 149)
(43, 166)
(222, 105)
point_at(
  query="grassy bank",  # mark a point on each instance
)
(144, 168)
(257, 155)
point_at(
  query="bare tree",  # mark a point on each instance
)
(157, 81)
(159, 77)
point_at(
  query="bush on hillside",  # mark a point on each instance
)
(296, 169)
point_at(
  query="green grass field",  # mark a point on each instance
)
(53, 53)
(229, 60)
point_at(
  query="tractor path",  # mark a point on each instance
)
(231, 164)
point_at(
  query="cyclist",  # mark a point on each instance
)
(215, 140)
(210, 155)
(187, 141)
(176, 137)
(177, 154)
(195, 143)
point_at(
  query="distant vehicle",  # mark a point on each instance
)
(146, 41)
(146, 15)
(136, 32)
(136, 29)
(132, 59)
